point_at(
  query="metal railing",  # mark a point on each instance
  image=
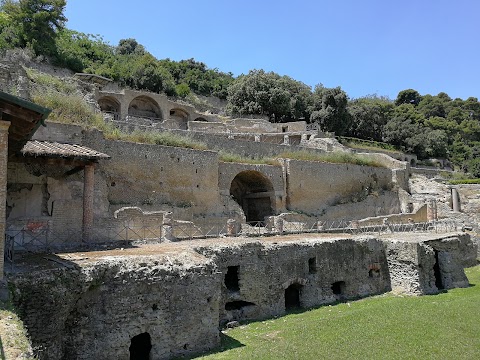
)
(45, 239)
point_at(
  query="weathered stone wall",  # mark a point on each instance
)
(412, 264)
(314, 186)
(266, 270)
(93, 312)
(247, 148)
(78, 307)
(4, 125)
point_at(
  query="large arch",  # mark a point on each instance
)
(110, 105)
(254, 192)
(144, 106)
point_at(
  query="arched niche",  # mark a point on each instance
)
(110, 105)
(254, 192)
(144, 106)
(180, 116)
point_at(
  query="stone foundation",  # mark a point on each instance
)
(173, 297)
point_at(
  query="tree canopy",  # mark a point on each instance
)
(33, 23)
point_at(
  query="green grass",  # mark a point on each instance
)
(14, 342)
(367, 144)
(229, 157)
(464, 181)
(444, 326)
(331, 157)
(157, 138)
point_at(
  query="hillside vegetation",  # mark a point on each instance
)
(424, 124)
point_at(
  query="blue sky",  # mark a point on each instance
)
(364, 46)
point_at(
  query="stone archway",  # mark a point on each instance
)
(180, 117)
(111, 106)
(254, 192)
(144, 106)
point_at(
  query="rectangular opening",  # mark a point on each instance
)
(312, 265)
(231, 278)
(338, 287)
(438, 273)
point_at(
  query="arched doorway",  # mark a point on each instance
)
(254, 192)
(110, 106)
(292, 297)
(143, 106)
(140, 347)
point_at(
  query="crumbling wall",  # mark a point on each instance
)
(312, 186)
(266, 270)
(426, 267)
(93, 312)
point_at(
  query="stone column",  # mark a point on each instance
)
(4, 125)
(88, 192)
(455, 200)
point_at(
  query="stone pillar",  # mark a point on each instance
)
(168, 227)
(278, 225)
(4, 125)
(431, 210)
(231, 227)
(88, 193)
(455, 200)
(286, 140)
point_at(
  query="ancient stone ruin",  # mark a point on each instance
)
(158, 247)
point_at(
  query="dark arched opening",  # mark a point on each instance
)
(143, 106)
(292, 297)
(413, 162)
(110, 106)
(181, 118)
(254, 192)
(140, 347)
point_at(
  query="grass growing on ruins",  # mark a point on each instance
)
(229, 157)
(383, 327)
(14, 342)
(367, 144)
(331, 157)
(65, 99)
(157, 138)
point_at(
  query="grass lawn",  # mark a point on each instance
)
(444, 326)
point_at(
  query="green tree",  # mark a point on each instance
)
(408, 96)
(130, 46)
(9, 33)
(329, 109)
(369, 115)
(432, 106)
(82, 52)
(37, 22)
(281, 98)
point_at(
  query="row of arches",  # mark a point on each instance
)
(143, 106)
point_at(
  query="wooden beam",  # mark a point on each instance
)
(18, 111)
(50, 161)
